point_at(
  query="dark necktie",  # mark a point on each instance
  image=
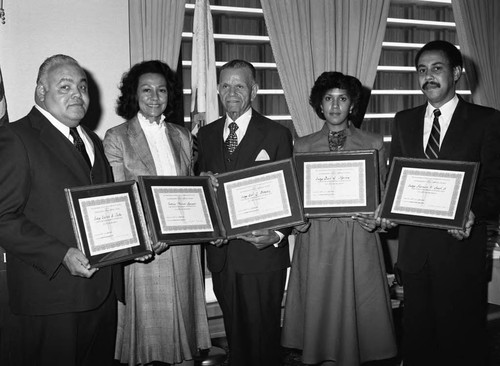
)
(336, 140)
(432, 149)
(80, 146)
(232, 140)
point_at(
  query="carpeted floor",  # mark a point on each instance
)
(292, 357)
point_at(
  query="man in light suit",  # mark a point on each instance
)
(248, 273)
(444, 272)
(64, 310)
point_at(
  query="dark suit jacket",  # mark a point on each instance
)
(473, 135)
(262, 134)
(38, 163)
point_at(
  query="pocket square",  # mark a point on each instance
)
(263, 156)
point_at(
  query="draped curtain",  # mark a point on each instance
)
(479, 35)
(312, 36)
(156, 30)
(156, 34)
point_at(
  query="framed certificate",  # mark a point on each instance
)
(261, 197)
(108, 222)
(338, 183)
(180, 210)
(431, 193)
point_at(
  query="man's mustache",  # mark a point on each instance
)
(431, 83)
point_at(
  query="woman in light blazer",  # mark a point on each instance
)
(164, 316)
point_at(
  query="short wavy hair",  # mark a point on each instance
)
(451, 52)
(51, 62)
(332, 80)
(240, 64)
(127, 103)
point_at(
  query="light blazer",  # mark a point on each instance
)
(473, 135)
(262, 134)
(129, 155)
(38, 163)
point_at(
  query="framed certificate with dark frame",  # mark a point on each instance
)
(261, 197)
(338, 183)
(430, 193)
(181, 210)
(108, 222)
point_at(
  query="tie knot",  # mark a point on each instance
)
(77, 140)
(437, 113)
(233, 127)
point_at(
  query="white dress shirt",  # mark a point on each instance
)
(89, 145)
(159, 145)
(447, 111)
(242, 122)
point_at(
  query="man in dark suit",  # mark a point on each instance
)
(443, 271)
(248, 273)
(64, 310)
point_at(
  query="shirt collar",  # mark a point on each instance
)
(147, 124)
(325, 130)
(242, 121)
(56, 123)
(446, 109)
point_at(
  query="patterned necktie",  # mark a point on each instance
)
(80, 146)
(232, 140)
(432, 149)
(336, 140)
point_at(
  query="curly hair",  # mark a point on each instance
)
(335, 80)
(127, 103)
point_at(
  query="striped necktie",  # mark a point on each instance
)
(432, 149)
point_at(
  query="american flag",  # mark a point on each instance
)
(204, 103)
(4, 117)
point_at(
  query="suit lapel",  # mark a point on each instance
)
(101, 171)
(175, 142)
(215, 142)
(60, 146)
(249, 146)
(416, 129)
(455, 129)
(140, 145)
